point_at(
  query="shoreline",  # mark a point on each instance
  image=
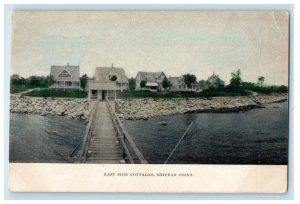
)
(69, 108)
(143, 109)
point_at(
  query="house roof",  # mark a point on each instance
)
(149, 76)
(73, 70)
(102, 74)
(176, 80)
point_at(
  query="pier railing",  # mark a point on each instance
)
(87, 136)
(130, 152)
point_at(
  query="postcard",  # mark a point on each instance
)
(149, 101)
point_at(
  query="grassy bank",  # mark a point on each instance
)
(206, 93)
(56, 93)
(17, 89)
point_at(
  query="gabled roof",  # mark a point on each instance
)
(102, 74)
(150, 76)
(73, 70)
(176, 80)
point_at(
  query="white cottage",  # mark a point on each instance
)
(66, 77)
(178, 84)
(106, 82)
(153, 80)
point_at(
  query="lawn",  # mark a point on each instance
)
(227, 91)
(56, 93)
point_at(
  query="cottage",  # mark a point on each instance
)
(66, 77)
(153, 80)
(178, 84)
(106, 82)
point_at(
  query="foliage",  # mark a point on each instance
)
(18, 83)
(83, 81)
(217, 84)
(206, 93)
(260, 81)
(57, 93)
(203, 84)
(113, 78)
(143, 83)
(236, 79)
(166, 83)
(131, 82)
(189, 79)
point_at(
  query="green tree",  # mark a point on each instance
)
(49, 80)
(143, 83)
(83, 81)
(236, 79)
(189, 79)
(131, 82)
(15, 79)
(260, 81)
(219, 83)
(166, 83)
(34, 81)
(203, 84)
(113, 78)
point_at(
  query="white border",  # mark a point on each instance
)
(296, 49)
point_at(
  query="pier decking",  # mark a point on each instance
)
(106, 140)
(104, 146)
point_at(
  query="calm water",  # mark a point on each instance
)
(35, 138)
(255, 137)
(258, 136)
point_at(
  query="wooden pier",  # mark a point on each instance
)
(106, 140)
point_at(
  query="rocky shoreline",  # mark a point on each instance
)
(69, 108)
(143, 109)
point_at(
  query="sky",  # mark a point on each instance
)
(197, 42)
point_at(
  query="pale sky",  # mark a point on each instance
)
(173, 42)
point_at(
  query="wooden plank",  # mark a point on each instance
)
(104, 146)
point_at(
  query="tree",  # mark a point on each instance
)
(15, 79)
(203, 84)
(34, 81)
(236, 79)
(49, 80)
(83, 81)
(143, 83)
(131, 82)
(189, 79)
(113, 78)
(166, 83)
(260, 81)
(219, 83)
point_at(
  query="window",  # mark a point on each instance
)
(64, 75)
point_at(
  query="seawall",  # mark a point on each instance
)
(137, 109)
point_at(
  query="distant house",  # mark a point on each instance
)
(214, 81)
(106, 82)
(153, 80)
(66, 77)
(178, 84)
